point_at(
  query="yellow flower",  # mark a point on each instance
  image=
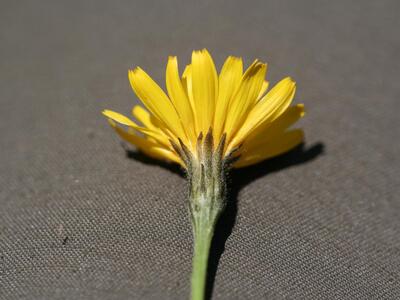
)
(205, 123)
(234, 105)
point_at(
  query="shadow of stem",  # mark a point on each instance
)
(240, 178)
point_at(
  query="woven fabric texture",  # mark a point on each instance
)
(82, 218)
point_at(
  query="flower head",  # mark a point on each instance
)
(205, 122)
(233, 108)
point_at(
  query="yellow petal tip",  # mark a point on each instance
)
(105, 112)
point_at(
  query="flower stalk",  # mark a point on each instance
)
(206, 173)
(203, 230)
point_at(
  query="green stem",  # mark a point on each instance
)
(207, 201)
(206, 173)
(202, 242)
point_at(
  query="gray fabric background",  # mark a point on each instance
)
(82, 219)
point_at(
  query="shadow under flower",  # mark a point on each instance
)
(143, 158)
(237, 179)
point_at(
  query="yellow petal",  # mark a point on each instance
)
(275, 147)
(205, 88)
(268, 131)
(245, 98)
(132, 138)
(188, 86)
(143, 116)
(156, 101)
(151, 123)
(179, 97)
(275, 102)
(264, 88)
(229, 82)
(148, 147)
(117, 117)
(271, 106)
(165, 154)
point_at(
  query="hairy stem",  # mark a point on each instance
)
(206, 174)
